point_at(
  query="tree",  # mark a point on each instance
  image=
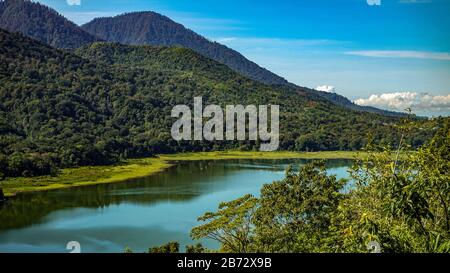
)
(231, 225)
(170, 247)
(197, 248)
(294, 214)
(402, 199)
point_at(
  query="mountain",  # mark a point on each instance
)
(106, 102)
(46, 25)
(139, 28)
(42, 23)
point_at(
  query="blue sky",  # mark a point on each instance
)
(400, 47)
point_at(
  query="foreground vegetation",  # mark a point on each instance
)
(397, 206)
(136, 168)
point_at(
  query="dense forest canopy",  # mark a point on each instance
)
(151, 28)
(42, 23)
(109, 101)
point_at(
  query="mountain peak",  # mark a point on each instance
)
(42, 23)
(135, 14)
(148, 27)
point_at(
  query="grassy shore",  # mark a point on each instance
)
(136, 168)
(223, 155)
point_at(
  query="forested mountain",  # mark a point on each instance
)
(112, 101)
(140, 28)
(42, 23)
(46, 25)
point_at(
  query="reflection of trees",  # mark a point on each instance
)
(280, 164)
(180, 183)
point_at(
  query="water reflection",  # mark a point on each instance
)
(137, 213)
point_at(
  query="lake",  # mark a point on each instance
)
(139, 213)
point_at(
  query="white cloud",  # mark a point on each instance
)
(401, 100)
(74, 2)
(326, 88)
(443, 56)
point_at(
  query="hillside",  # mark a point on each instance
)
(113, 101)
(42, 23)
(150, 28)
(46, 25)
(140, 28)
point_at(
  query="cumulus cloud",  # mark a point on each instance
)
(74, 2)
(443, 56)
(326, 88)
(401, 100)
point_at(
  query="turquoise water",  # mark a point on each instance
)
(139, 213)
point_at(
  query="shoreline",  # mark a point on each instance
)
(142, 167)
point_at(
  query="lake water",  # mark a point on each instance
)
(138, 214)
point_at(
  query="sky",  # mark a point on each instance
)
(391, 54)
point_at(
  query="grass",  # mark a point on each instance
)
(136, 168)
(223, 155)
(83, 176)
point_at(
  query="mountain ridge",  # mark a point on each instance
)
(157, 29)
(148, 27)
(105, 102)
(28, 18)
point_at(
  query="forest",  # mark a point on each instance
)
(105, 102)
(143, 28)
